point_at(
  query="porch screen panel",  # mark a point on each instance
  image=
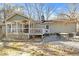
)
(13, 27)
(8, 28)
(19, 28)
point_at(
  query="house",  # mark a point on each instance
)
(19, 25)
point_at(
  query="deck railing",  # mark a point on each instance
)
(36, 31)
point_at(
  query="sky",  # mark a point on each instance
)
(59, 7)
(57, 4)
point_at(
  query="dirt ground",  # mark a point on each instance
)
(36, 49)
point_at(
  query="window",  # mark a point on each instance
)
(47, 26)
(77, 34)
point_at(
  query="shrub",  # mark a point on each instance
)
(57, 34)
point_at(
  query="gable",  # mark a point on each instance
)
(17, 17)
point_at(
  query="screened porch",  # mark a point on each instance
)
(22, 29)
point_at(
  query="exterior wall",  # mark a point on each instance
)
(38, 26)
(60, 27)
(77, 27)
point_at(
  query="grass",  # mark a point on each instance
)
(31, 49)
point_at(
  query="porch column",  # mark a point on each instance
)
(29, 30)
(29, 27)
(16, 27)
(22, 27)
(6, 29)
(11, 27)
(77, 27)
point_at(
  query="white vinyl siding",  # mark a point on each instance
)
(68, 28)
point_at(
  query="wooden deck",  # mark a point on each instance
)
(32, 31)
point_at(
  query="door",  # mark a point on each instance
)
(26, 28)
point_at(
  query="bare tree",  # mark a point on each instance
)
(49, 12)
(71, 11)
(36, 10)
(29, 10)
